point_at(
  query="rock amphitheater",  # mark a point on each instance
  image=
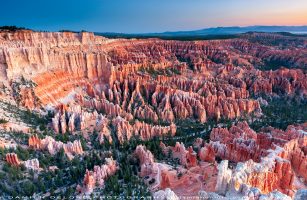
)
(144, 88)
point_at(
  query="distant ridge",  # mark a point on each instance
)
(217, 31)
(237, 30)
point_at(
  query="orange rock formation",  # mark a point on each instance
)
(12, 159)
(95, 178)
(52, 146)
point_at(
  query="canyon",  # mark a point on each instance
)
(92, 95)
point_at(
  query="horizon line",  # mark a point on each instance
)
(167, 31)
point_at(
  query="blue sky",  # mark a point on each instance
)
(139, 16)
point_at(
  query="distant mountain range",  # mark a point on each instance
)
(218, 31)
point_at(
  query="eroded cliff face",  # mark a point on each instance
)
(56, 62)
(61, 62)
(30, 53)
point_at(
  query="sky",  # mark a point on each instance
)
(146, 16)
